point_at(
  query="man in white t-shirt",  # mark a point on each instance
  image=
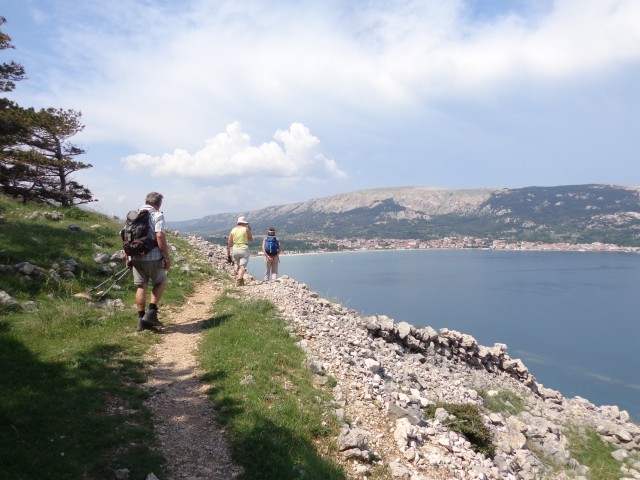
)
(152, 267)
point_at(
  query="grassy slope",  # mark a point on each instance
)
(70, 401)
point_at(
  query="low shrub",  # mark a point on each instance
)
(468, 422)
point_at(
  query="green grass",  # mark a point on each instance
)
(589, 449)
(71, 403)
(505, 401)
(64, 374)
(264, 394)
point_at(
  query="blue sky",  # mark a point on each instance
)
(230, 106)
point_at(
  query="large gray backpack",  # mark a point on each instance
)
(138, 238)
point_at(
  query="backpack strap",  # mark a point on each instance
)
(152, 233)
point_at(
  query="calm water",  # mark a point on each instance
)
(572, 317)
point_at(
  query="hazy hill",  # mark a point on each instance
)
(575, 213)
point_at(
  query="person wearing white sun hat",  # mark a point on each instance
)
(238, 248)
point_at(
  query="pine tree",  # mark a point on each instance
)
(37, 161)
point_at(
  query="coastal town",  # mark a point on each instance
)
(331, 244)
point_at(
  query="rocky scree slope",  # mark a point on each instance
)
(389, 373)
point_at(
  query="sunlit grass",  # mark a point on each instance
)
(264, 394)
(503, 401)
(590, 450)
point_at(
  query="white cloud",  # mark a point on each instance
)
(173, 72)
(391, 52)
(570, 40)
(581, 37)
(295, 154)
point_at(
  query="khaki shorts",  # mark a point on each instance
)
(150, 271)
(241, 256)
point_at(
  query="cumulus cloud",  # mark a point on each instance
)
(295, 153)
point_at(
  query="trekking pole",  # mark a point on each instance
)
(112, 276)
(121, 274)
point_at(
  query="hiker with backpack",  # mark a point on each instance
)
(239, 239)
(147, 251)
(271, 249)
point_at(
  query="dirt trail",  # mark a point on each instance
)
(194, 445)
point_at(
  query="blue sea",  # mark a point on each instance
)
(572, 317)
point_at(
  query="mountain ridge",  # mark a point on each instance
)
(570, 213)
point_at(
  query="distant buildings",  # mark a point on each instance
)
(457, 242)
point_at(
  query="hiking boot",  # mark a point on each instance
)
(142, 326)
(151, 318)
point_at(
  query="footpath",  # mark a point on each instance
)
(191, 440)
